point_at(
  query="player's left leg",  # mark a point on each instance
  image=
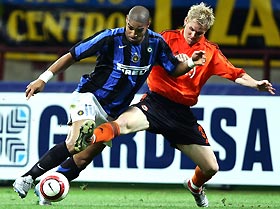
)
(132, 120)
(41, 200)
(104, 132)
(207, 166)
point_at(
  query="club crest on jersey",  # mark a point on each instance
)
(133, 70)
(144, 107)
(135, 58)
(80, 112)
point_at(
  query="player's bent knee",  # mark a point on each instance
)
(212, 170)
(83, 163)
(82, 160)
(70, 146)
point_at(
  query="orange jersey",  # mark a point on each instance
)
(185, 89)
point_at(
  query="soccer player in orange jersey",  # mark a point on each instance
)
(169, 94)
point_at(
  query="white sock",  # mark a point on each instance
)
(194, 186)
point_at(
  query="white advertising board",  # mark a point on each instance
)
(243, 131)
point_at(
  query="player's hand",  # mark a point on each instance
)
(34, 87)
(182, 57)
(265, 85)
(199, 57)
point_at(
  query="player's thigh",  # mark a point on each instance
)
(203, 156)
(132, 120)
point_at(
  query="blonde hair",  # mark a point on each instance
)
(202, 14)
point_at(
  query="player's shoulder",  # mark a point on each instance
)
(114, 31)
(211, 44)
(153, 34)
(171, 33)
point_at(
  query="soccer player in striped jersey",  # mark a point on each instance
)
(125, 57)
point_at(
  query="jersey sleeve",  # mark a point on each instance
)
(166, 58)
(90, 46)
(222, 67)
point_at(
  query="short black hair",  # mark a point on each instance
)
(139, 14)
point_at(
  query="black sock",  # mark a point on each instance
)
(51, 159)
(69, 169)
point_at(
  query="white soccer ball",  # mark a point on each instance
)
(54, 186)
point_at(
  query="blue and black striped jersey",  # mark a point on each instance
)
(121, 67)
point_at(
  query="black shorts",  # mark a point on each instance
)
(174, 121)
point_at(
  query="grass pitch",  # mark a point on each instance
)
(141, 196)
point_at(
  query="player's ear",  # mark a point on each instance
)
(185, 21)
(126, 19)
(149, 23)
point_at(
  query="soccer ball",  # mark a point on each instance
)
(54, 186)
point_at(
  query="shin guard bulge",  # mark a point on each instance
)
(106, 132)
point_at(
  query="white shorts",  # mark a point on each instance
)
(85, 106)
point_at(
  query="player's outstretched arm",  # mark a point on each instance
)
(58, 66)
(34, 87)
(262, 85)
(265, 85)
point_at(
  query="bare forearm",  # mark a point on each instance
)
(181, 69)
(61, 64)
(262, 85)
(246, 80)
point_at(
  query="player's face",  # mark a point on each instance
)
(135, 31)
(193, 31)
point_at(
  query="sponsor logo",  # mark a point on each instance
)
(14, 134)
(133, 70)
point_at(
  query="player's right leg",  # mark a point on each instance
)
(85, 136)
(84, 107)
(132, 120)
(199, 194)
(72, 167)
